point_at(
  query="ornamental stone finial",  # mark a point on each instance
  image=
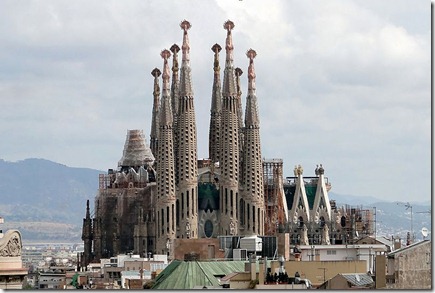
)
(239, 73)
(165, 55)
(251, 70)
(156, 73)
(185, 26)
(216, 49)
(175, 49)
(229, 25)
(321, 170)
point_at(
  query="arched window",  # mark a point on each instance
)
(300, 222)
(242, 211)
(322, 221)
(177, 207)
(187, 202)
(343, 221)
(248, 220)
(182, 205)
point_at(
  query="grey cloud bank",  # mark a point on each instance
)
(343, 83)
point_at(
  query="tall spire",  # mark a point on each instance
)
(165, 206)
(229, 161)
(155, 118)
(216, 108)
(175, 81)
(251, 118)
(87, 236)
(165, 108)
(229, 85)
(253, 162)
(229, 47)
(175, 96)
(239, 73)
(185, 75)
(187, 163)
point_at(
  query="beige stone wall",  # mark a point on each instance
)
(413, 268)
(202, 246)
(313, 270)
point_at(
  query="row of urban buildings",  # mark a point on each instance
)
(368, 263)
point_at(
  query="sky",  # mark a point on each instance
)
(345, 84)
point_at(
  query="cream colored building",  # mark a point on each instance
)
(12, 272)
(410, 267)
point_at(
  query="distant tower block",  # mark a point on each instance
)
(136, 153)
(229, 153)
(155, 118)
(187, 162)
(216, 109)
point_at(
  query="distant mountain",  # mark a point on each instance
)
(351, 199)
(46, 201)
(38, 190)
(392, 218)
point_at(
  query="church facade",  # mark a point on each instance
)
(162, 192)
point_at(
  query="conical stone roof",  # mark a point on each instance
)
(136, 152)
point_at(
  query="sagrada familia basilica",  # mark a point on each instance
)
(162, 192)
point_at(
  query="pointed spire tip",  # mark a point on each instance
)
(185, 25)
(156, 72)
(229, 25)
(216, 48)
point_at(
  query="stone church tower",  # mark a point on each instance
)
(155, 116)
(165, 206)
(253, 193)
(187, 185)
(216, 109)
(229, 153)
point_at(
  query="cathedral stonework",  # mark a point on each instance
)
(162, 192)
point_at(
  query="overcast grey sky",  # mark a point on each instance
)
(342, 83)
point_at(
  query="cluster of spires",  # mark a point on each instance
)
(233, 145)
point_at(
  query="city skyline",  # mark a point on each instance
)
(344, 84)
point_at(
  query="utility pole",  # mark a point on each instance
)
(409, 206)
(375, 220)
(324, 275)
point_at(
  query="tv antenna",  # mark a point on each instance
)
(424, 232)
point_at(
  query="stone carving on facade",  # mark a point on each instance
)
(232, 228)
(188, 230)
(325, 236)
(298, 170)
(304, 236)
(13, 245)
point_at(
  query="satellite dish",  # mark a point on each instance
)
(424, 232)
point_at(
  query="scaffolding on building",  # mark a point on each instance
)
(275, 207)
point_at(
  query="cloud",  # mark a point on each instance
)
(342, 83)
